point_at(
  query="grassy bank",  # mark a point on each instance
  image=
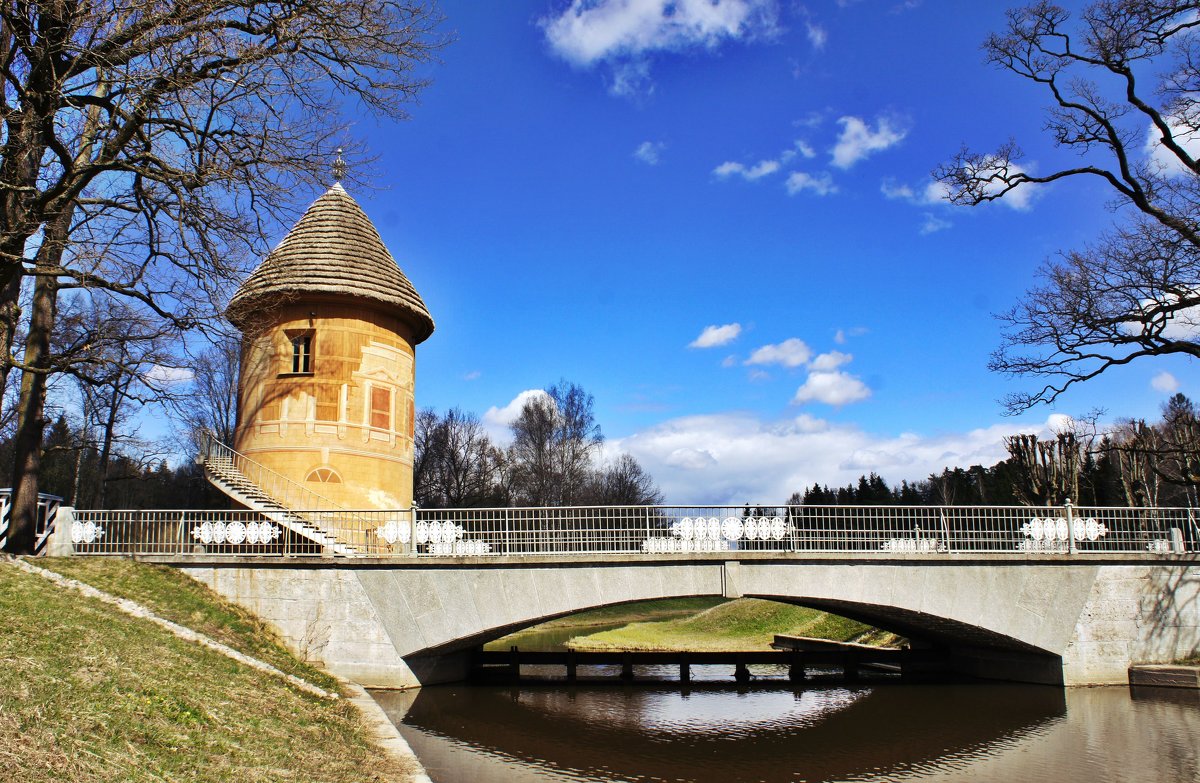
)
(90, 694)
(744, 624)
(174, 595)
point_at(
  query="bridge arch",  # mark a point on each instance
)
(1051, 620)
(1010, 623)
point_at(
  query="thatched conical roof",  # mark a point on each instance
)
(332, 250)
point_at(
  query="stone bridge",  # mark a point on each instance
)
(1077, 619)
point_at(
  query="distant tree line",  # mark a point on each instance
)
(93, 455)
(554, 458)
(72, 470)
(1135, 463)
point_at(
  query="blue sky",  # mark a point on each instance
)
(721, 225)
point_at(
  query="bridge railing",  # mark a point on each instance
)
(649, 530)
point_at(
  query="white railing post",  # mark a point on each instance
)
(1071, 548)
(507, 532)
(60, 544)
(412, 529)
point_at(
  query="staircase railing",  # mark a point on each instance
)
(289, 495)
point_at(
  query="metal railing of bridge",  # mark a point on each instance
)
(653, 531)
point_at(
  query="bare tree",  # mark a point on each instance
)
(1049, 470)
(210, 405)
(123, 362)
(1159, 462)
(1138, 447)
(624, 483)
(1133, 292)
(555, 438)
(455, 461)
(147, 149)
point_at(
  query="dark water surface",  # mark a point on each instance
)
(717, 733)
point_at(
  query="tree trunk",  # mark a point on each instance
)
(119, 388)
(10, 315)
(31, 420)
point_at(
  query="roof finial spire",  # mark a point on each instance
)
(339, 167)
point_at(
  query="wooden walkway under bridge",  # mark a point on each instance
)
(505, 666)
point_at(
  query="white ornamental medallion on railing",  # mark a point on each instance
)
(442, 537)
(236, 532)
(394, 533)
(712, 534)
(1053, 534)
(86, 532)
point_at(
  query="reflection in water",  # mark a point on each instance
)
(880, 733)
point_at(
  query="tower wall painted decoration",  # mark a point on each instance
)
(329, 326)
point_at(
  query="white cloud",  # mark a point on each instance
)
(624, 33)
(161, 374)
(1059, 423)
(806, 422)
(820, 184)
(473, 375)
(729, 361)
(736, 458)
(631, 79)
(792, 352)
(757, 171)
(1019, 198)
(832, 388)
(1162, 158)
(1182, 324)
(1165, 382)
(691, 459)
(649, 152)
(893, 190)
(818, 36)
(496, 420)
(713, 336)
(771, 165)
(858, 140)
(933, 224)
(932, 193)
(841, 335)
(831, 360)
(813, 119)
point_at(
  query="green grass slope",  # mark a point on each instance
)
(174, 595)
(88, 693)
(638, 611)
(741, 625)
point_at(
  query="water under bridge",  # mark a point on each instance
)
(399, 598)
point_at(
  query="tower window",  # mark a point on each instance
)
(381, 408)
(301, 352)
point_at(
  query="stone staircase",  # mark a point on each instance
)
(276, 497)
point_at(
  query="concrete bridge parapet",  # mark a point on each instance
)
(1055, 619)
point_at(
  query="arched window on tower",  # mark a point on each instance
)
(323, 475)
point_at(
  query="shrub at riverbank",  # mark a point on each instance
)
(88, 693)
